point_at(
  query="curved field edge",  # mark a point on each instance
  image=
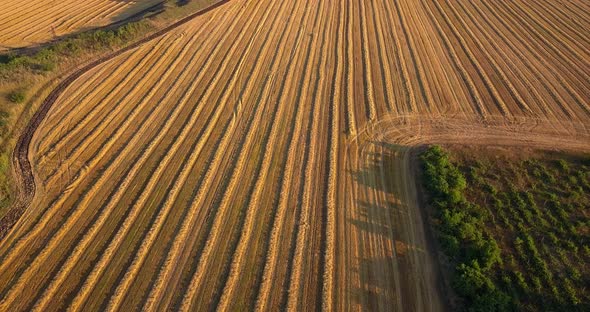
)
(57, 22)
(24, 178)
(390, 147)
(503, 213)
(29, 74)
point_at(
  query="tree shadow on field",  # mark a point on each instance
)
(374, 290)
(378, 271)
(394, 268)
(137, 11)
(376, 164)
(378, 220)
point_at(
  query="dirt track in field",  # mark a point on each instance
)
(388, 220)
(39, 21)
(258, 157)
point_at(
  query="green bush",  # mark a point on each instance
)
(480, 291)
(462, 238)
(443, 179)
(17, 96)
(570, 292)
(48, 58)
(542, 214)
(562, 165)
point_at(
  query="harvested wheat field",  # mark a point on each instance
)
(38, 21)
(259, 156)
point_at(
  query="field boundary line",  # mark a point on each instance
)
(24, 177)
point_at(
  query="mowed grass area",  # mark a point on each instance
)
(514, 224)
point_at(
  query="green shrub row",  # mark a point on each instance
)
(461, 230)
(20, 66)
(47, 58)
(535, 209)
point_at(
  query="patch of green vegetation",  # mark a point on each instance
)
(47, 59)
(514, 243)
(28, 68)
(24, 74)
(17, 96)
(15, 67)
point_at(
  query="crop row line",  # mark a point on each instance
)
(548, 43)
(221, 210)
(109, 119)
(91, 234)
(482, 73)
(248, 227)
(471, 87)
(47, 17)
(330, 208)
(23, 242)
(367, 74)
(410, 97)
(145, 247)
(297, 278)
(547, 87)
(203, 138)
(76, 215)
(563, 82)
(101, 102)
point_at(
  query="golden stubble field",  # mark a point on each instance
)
(259, 157)
(38, 21)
